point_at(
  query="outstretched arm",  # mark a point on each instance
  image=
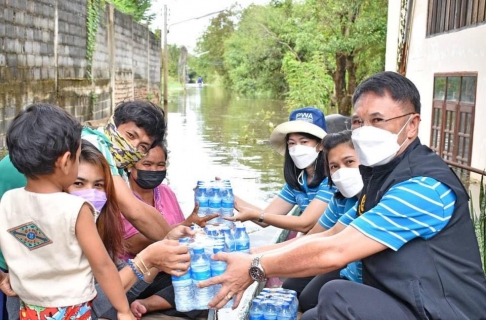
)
(311, 256)
(275, 214)
(144, 217)
(103, 267)
(248, 211)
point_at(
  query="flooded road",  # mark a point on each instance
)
(212, 133)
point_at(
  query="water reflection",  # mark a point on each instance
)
(204, 137)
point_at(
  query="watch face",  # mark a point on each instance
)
(257, 274)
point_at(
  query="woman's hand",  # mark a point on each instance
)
(5, 285)
(195, 219)
(244, 213)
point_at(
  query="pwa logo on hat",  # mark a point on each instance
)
(310, 115)
(305, 116)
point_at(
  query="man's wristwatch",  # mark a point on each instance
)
(256, 270)
(261, 216)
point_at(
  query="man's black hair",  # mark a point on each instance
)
(39, 135)
(397, 86)
(145, 115)
(329, 142)
(291, 172)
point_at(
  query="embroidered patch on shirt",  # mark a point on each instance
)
(30, 235)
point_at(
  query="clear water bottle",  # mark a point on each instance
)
(229, 239)
(285, 312)
(256, 310)
(218, 268)
(183, 288)
(200, 271)
(269, 310)
(242, 240)
(203, 200)
(215, 204)
(227, 205)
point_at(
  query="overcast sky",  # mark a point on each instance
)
(186, 33)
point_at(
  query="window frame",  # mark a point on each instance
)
(457, 107)
(444, 16)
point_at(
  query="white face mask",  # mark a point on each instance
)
(348, 181)
(303, 156)
(374, 146)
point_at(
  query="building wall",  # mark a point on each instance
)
(43, 47)
(457, 51)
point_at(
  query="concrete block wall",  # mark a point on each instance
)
(43, 59)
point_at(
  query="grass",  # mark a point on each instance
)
(479, 221)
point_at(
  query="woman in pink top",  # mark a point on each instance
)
(145, 181)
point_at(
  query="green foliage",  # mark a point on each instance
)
(479, 222)
(286, 48)
(95, 9)
(174, 52)
(254, 53)
(138, 9)
(211, 46)
(309, 83)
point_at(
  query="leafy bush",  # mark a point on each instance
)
(479, 222)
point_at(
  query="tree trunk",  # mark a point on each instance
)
(346, 104)
(339, 78)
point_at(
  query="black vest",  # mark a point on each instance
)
(439, 278)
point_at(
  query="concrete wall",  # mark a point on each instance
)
(457, 51)
(43, 46)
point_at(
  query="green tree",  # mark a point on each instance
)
(350, 35)
(210, 46)
(255, 51)
(138, 9)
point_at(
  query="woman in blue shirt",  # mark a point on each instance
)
(343, 172)
(299, 140)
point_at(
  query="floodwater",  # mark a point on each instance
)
(214, 133)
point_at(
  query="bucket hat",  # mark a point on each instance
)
(308, 120)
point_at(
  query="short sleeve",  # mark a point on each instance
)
(349, 215)
(333, 211)
(288, 194)
(324, 193)
(417, 208)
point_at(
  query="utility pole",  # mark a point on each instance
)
(166, 64)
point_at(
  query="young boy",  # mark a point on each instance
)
(48, 237)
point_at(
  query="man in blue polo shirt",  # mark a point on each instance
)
(412, 229)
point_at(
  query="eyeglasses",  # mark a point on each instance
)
(355, 123)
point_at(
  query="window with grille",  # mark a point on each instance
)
(453, 118)
(446, 15)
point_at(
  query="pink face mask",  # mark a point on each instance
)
(95, 197)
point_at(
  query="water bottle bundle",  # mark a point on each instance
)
(215, 196)
(274, 303)
(207, 241)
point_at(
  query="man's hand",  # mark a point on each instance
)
(168, 256)
(235, 280)
(200, 221)
(5, 286)
(180, 231)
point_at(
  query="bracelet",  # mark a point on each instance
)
(138, 266)
(147, 271)
(261, 216)
(134, 269)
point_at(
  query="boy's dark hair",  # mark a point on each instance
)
(39, 135)
(397, 86)
(329, 142)
(145, 115)
(291, 172)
